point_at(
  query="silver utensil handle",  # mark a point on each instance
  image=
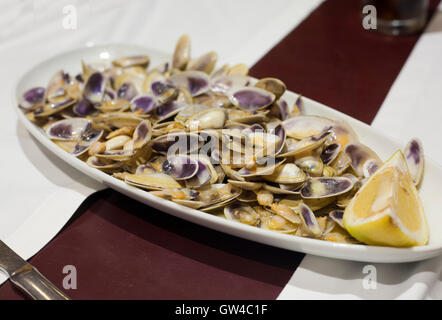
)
(36, 285)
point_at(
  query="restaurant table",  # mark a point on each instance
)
(122, 249)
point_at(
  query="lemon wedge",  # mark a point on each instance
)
(387, 210)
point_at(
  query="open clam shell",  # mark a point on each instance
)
(246, 185)
(68, 129)
(359, 154)
(95, 87)
(86, 140)
(337, 216)
(305, 145)
(298, 107)
(32, 98)
(196, 82)
(414, 155)
(263, 143)
(288, 173)
(180, 167)
(330, 153)
(340, 163)
(343, 134)
(239, 69)
(370, 166)
(264, 170)
(309, 220)
(190, 110)
(168, 110)
(206, 63)
(310, 164)
(84, 108)
(117, 155)
(273, 85)
(56, 88)
(152, 181)
(218, 195)
(118, 119)
(302, 127)
(252, 99)
(103, 164)
(142, 134)
(146, 103)
(181, 56)
(326, 187)
(283, 189)
(280, 109)
(127, 91)
(52, 108)
(132, 61)
(163, 91)
(206, 173)
(213, 118)
(241, 213)
(277, 223)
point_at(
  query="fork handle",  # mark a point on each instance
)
(34, 284)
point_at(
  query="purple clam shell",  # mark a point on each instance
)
(127, 91)
(414, 155)
(83, 108)
(413, 151)
(180, 168)
(279, 131)
(299, 104)
(159, 87)
(252, 99)
(109, 95)
(69, 129)
(53, 107)
(370, 167)
(196, 82)
(283, 109)
(32, 97)
(294, 189)
(330, 187)
(86, 141)
(309, 220)
(146, 103)
(79, 78)
(359, 154)
(330, 153)
(142, 134)
(337, 216)
(167, 109)
(202, 176)
(95, 88)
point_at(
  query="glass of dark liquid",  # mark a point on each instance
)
(399, 17)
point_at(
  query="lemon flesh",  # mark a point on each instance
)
(387, 210)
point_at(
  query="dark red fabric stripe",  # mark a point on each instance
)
(125, 250)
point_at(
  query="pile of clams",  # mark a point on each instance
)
(210, 139)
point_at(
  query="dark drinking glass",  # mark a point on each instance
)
(397, 17)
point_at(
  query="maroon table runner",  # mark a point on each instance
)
(122, 249)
